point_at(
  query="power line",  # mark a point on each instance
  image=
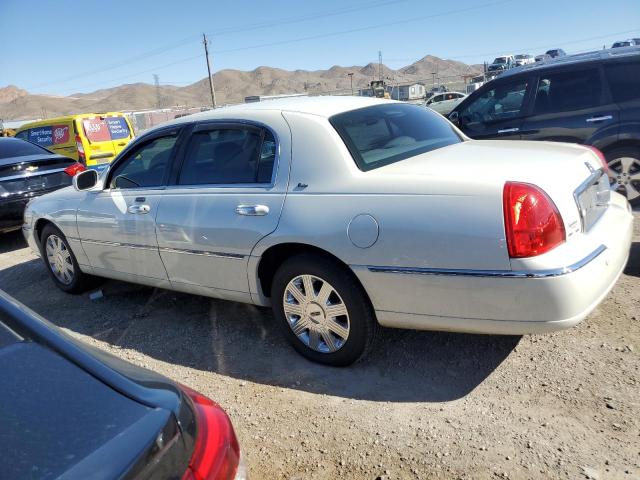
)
(224, 31)
(368, 27)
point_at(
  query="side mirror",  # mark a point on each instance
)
(85, 180)
(454, 117)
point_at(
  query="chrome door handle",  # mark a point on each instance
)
(252, 210)
(599, 119)
(509, 130)
(139, 209)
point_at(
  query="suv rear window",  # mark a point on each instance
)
(385, 134)
(623, 80)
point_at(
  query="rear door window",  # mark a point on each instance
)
(568, 91)
(118, 127)
(105, 129)
(624, 81)
(229, 155)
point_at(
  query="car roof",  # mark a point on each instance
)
(609, 53)
(324, 106)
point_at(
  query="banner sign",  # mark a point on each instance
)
(117, 127)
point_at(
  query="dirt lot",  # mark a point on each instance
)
(422, 405)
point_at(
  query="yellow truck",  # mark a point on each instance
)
(93, 139)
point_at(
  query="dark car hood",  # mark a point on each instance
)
(55, 417)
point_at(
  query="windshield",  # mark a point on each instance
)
(521, 57)
(14, 147)
(385, 134)
(500, 60)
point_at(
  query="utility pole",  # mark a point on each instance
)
(351, 78)
(156, 81)
(380, 65)
(206, 54)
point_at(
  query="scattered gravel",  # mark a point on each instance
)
(422, 405)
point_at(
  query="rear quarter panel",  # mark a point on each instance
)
(422, 222)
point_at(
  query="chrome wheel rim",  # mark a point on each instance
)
(59, 259)
(624, 174)
(316, 313)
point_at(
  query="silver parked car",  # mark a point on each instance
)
(344, 214)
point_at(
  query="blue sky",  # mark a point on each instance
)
(64, 47)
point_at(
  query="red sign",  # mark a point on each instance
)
(96, 130)
(60, 134)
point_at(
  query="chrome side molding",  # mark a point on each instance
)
(554, 272)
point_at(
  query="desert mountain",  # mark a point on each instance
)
(231, 86)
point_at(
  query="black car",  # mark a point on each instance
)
(593, 99)
(70, 411)
(26, 171)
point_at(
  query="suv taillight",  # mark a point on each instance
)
(75, 168)
(216, 455)
(600, 156)
(532, 223)
(81, 155)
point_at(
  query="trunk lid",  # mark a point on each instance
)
(32, 174)
(570, 174)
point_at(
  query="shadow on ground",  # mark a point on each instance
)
(12, 241)
(633, 265)
(243, 341)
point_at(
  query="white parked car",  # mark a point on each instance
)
(524, 59)
(343, 214)
(443, 103)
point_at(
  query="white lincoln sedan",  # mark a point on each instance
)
(344, 214)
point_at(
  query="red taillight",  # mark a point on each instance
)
(600, 156)
(75, 168)
(80, 148)
(532, 222)
(216, 454)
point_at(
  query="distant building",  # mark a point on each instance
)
(408, 91)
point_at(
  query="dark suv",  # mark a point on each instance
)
(593, 99)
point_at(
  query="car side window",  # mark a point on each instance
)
(229, 155)
(146, 166)
(623, 81)
(567, 91)
(503, 102)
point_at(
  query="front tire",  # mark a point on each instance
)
(322, 310)
(624, 172)
(61, 263)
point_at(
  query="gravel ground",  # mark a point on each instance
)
(422, 405)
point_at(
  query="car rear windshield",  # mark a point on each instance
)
(385, 134)
(15, 147)
(104, 129)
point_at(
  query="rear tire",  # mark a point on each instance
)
(624, 172)
(322, 310)
(61, 263)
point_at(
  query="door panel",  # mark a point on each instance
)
(117, 225)
(117, 230)
(204, 241)
(226, 197)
